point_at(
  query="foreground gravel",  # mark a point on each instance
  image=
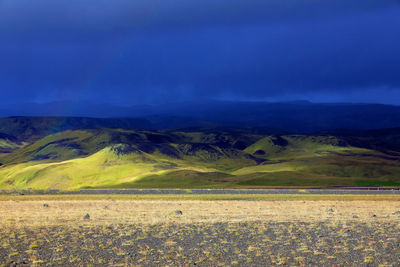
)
(256, 243)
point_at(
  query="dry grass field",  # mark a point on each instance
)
(106, 212)
(123, 231)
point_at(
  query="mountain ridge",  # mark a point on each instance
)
(295, 117)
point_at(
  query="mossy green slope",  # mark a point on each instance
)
(117, 158)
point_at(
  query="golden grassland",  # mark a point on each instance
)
(24, 211)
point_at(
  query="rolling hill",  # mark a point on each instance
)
(71, 157)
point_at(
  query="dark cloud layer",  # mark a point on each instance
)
(140, 51)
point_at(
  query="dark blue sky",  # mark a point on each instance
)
(152, 51)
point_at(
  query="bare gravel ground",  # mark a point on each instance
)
(199, 233)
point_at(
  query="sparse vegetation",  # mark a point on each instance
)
(179, 232)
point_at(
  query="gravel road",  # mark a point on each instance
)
(320, 191)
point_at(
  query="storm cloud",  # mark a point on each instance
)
(150, 51)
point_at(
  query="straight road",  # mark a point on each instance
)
(316, 191)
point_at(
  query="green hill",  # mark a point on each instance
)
(120, 158)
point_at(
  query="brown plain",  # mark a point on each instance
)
(28, 213)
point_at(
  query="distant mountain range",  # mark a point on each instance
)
(294, 117)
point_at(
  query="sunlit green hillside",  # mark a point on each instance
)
(117, 158)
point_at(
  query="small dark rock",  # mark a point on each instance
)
(355, 216)
(178, 212)
(330, 210)
(86, 217)
(373, 215)
(45, 205)
(106, 207)
(397, 212)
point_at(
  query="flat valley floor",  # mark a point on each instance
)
(123, 231)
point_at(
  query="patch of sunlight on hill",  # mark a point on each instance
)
(100, 169)
(183, 178)
(266, 145)
(4, 143)
(269, 167)
(8, 145)
(299, 146)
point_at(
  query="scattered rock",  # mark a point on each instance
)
(355, 217)
(330, 210)
(397, 212)
(86, 217)
(45, 205)
(178, 212)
